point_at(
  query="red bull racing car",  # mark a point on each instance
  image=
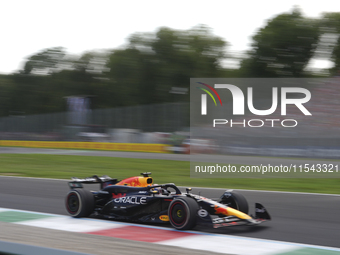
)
(138, 199)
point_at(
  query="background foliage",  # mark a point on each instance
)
(153, 63)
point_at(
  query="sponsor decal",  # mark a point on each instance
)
(220, 210)
(202, 213)
(164, 218)
(131, 200)
(75, 185)
(224, 224)
(132, 181)
(224, 220)
(118, 195)
(260, 210)
(227, 194)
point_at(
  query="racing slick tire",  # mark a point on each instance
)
(235, 200)
(182, 213)
(79, 203)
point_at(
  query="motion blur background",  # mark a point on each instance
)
(138, 92)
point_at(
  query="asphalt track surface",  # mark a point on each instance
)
(296, 217)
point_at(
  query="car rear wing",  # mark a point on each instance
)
(103, 180)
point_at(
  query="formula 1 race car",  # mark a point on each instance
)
(137, 199)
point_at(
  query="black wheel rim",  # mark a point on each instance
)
(178, 213)
(72, 203)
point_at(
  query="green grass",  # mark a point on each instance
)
(163, 171)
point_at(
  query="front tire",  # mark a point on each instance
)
(182, 213)
(235, 200)
(79, 203)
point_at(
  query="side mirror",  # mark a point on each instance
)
(188, 189)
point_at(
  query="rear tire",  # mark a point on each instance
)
(235, 200)
(182, 213)
(79, 203)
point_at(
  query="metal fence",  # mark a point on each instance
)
(145, 118)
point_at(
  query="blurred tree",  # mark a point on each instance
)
(60, 76)
(283, 47)
(45, 61)
(6, 87)
(192, 53)
(142, 73)
(331, 25)
(336, 57)
(154, 63)
(91, 62)
(125, 74)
